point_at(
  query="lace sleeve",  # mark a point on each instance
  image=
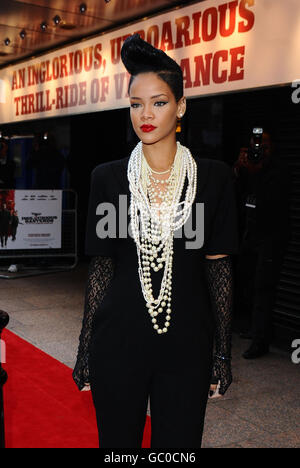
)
(219, 273)
(100, 274)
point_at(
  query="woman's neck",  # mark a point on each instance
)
(160, 156)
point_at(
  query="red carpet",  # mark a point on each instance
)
(43, 407)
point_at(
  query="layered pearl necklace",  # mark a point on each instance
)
(153, 224)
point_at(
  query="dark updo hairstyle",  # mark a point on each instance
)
(139, 56)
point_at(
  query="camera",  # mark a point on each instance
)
(256, 150)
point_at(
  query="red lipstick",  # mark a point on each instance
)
(147, 128)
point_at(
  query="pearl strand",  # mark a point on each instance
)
(157, 232)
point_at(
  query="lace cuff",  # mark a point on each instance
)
(219, 273)
(100, 274)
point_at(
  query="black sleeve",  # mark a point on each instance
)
(219, 274)
(223, 237)
(100, 273)
(94, 244)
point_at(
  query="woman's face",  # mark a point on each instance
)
(154, 109)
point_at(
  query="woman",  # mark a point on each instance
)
(152, 303)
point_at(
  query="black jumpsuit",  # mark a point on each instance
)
(129, 360)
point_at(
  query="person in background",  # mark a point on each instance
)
(262, 188)
(5, 219)
(7, 167)
(14, 224)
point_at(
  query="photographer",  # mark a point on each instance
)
(262, 185)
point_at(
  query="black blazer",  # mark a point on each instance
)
(215, 189)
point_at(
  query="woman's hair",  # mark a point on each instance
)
(139, 56)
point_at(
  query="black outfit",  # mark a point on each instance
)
(5, 219)
(14, 226)
(128, 360)
(263, 206)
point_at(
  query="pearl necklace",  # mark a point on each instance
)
(160, 173)
(155, 241)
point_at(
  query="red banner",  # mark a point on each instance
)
(221, 46)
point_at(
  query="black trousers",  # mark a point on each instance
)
(178, 400)
(257, 275)
(3, 238)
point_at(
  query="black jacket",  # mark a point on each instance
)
(5, 219)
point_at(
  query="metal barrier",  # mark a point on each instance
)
(39, 261)
(4, 319)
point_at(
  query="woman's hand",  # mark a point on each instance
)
(86, 388)
(214, 391)
(221, 374)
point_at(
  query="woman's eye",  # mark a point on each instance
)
(134, 105)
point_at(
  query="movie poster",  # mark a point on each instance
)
(30, 219)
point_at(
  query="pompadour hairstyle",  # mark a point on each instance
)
(138, 56)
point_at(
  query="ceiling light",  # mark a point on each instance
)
(57, 20)
(23, 34)
(44, 26)
(7, 41)
(82, 8)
